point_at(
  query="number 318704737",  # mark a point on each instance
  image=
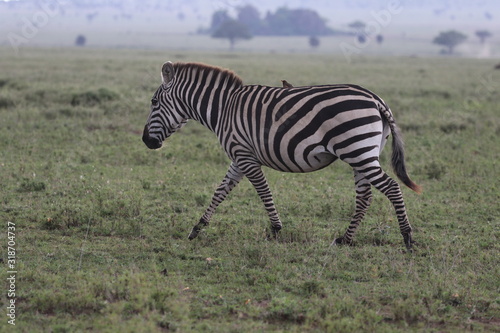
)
(11, 242)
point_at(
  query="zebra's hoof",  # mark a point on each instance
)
(197, 228)
(341, 241)
(275, 229)
(194, 233)
(408, 240)
(338, 241)
(274, 233)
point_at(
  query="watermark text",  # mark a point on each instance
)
(32, 24)
(11, 273)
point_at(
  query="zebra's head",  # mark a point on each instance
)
(164, 119)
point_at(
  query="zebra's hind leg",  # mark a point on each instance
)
(363, 201)
(390, 188)
(232, 178)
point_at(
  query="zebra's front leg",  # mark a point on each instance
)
(363, 201)
(256, 177)
(232, 178)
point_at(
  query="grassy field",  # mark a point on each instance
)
(101, 222)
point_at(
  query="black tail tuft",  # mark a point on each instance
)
(398, 159)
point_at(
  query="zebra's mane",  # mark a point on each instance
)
(224, 73)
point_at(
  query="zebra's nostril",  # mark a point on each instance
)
(151, 143)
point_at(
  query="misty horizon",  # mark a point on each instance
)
(139, 24)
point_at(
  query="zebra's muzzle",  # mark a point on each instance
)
(151, 143)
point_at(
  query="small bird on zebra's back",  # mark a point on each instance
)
(286, 84)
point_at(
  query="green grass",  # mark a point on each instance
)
(102, 222)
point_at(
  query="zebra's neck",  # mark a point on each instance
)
(205, 90)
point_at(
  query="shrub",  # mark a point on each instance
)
(28, 185)
(6, 103)
(435, 170)
(92, 98)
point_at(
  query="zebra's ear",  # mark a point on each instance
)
(167, 73)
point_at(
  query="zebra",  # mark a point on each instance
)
(298, 129)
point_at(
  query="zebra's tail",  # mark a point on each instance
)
(398, 154)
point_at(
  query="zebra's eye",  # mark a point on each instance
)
(154, 102)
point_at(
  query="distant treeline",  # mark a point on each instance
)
(283, 22)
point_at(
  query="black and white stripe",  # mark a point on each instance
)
(299, 129)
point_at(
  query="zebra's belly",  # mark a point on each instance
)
(316, 162)
(302, 162)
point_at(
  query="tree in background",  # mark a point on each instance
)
(314, 42)
(483, 34)
(450, 39)
(232, 30)
(295, 22)
(359, 30)
(80, 40)
(218, 18)
(283, 22)
(357, 26)
(250, 16)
